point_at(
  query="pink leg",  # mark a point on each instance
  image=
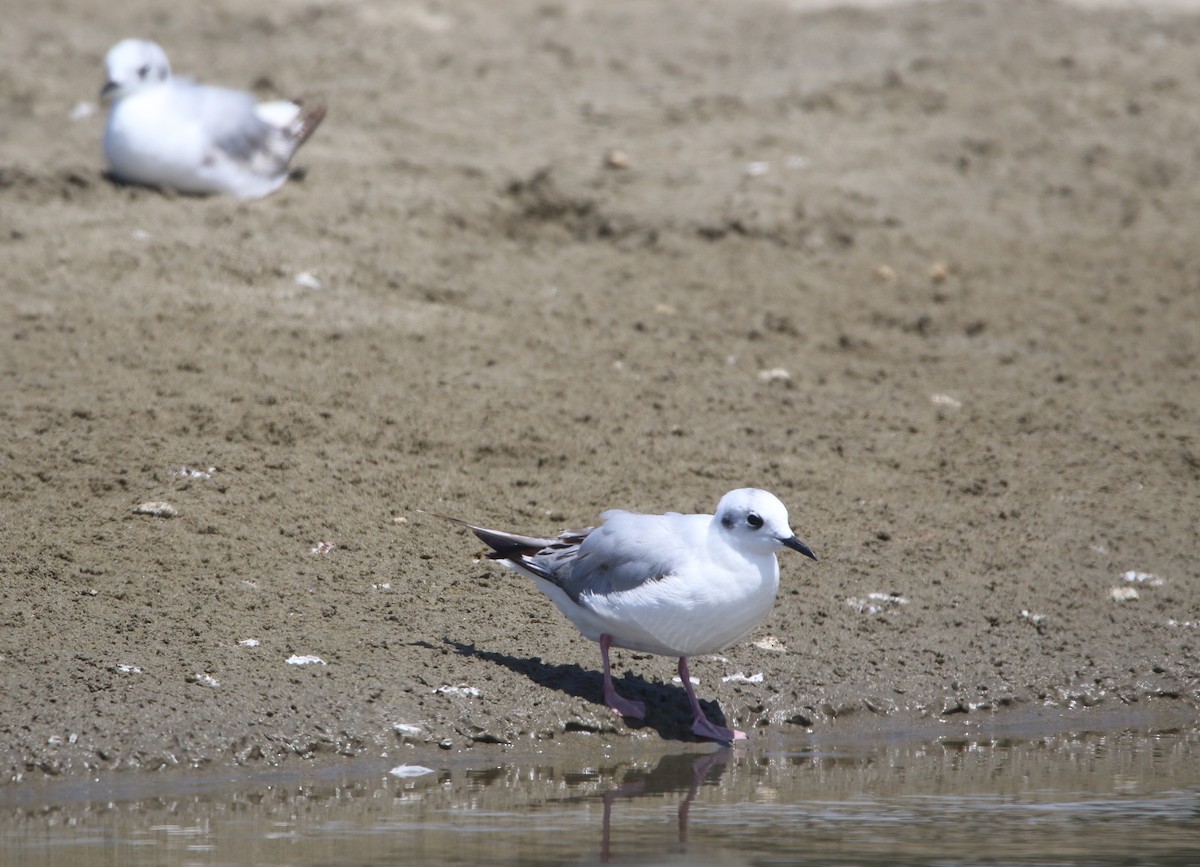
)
(701, 727)
(623, 706)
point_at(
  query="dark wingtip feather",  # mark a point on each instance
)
(505, 546)
(509, 546)
(307, 125)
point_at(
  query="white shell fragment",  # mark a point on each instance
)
(308, 280)
(875, 603)
(205, 680)
(461, 689)
(129, 669)
(190, 473)
(1123, 594)
(322, 548)
(775, 374)
(156, 509)
(1149, 579)
(739, 677)
(249, 642)
(695, 680)
(770, 642)
(295, 659)
(406, 729)
(945, 400)
(410, 771)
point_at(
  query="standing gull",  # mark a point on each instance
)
(675, 585)
(172, 132)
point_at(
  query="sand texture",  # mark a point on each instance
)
(930, 273)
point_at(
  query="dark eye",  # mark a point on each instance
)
(143, 70)
(754, 520)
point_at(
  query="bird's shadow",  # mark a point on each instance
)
(667, 709)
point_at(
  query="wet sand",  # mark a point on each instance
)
(927, 272)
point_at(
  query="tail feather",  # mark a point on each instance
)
(510, 546)
(505, 546)
(532, 554)
(306, 126)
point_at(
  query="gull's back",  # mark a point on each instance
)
(630, 549)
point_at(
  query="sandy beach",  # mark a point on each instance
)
(928, 272)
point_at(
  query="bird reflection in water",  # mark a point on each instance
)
(674, 773)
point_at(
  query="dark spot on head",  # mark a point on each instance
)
(727, 521)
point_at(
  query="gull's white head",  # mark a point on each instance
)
(756, 521)
(133, 64)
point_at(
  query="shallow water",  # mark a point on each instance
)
(1075, 798)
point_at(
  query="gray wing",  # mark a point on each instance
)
(230, 120)
(628, 551)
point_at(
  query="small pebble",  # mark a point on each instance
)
(617, 159)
